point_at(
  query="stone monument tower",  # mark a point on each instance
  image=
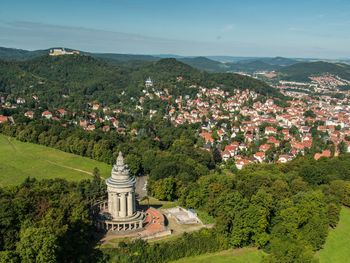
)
(122, 213)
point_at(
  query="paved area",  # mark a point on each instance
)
(141, 186)
(154, 224)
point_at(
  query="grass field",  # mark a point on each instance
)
(20, 160)
(337, 247)
(243, 255)
(151, 201)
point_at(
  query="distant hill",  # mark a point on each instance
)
(242, 64)
(252, 66)
(276, 61)
(20, 54)
(281, 61)
(202, 63)
(83, 78)
(167, 70)
(122, 57)
(302, 71)
(245, 65)
(207, 64)
(229, 59)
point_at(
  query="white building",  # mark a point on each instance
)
(149, 82)
(62, 51)
(120, 213)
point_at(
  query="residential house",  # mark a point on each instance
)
(47, 114)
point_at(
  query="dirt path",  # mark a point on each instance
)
(68, 167)
(11, 144)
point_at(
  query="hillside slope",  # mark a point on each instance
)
(20, 54)
(74, 80)
(20, 160)
(207, 64)
(302, 71)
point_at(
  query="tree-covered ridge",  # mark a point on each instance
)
(211, 64)
(206, 64)
(61, 81)
(167, 70)
(302, 71)
(77, 79)
(20, 54)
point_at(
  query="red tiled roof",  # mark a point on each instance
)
(325, 153)
(3, 118)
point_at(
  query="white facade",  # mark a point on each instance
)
(148, 82)
(122, 200)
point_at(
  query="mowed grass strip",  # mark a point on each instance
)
(337, 247)
(242, 255)
(19, 160)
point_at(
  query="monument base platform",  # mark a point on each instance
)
(127, 224)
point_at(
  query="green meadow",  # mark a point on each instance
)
(337, 247)
(19, 160)
(243, 255)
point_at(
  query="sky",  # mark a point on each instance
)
(265, 28)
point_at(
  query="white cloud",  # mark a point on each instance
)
(227, 28)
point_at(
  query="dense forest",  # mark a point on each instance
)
(49, 221)
(74, 81)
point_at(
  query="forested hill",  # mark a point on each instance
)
(167, 70)
(59, 81)
(20, 54)
(13, 54)
(207, 64)
(302, 71)
(74, 80)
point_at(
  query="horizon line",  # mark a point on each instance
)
(170, 54)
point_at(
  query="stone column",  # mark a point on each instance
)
(133, 202)
(130, 204)
(122, 212)
(116, 206)
(110, 204)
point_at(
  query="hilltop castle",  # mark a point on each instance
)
(62, 51)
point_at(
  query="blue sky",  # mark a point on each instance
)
(308, 28)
